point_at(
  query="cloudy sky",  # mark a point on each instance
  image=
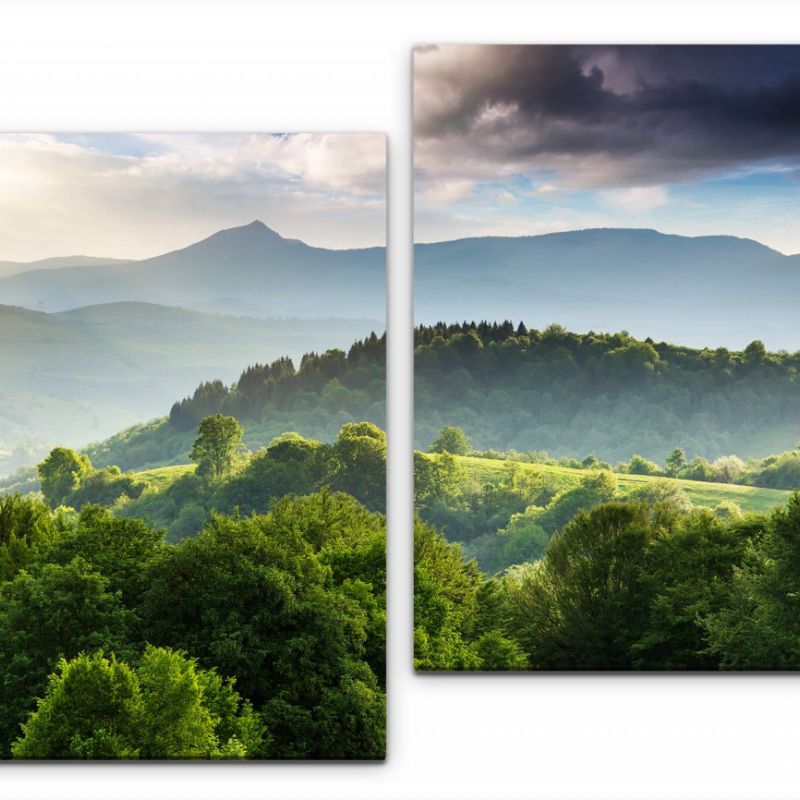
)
(529, 139)
(138, 195)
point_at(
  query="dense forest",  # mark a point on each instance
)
(620, 511)
(589, 579)
(528, 563)
(230, 608)
(605, 394)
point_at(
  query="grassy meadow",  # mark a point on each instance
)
(701, 493)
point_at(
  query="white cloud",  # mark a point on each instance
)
(351, 162)
(445, 191)
(132, 196)
(637, 199)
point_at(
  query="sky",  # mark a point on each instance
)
(530, 139)
(138, 195)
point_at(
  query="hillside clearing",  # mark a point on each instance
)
(701, 493)
(162, 478)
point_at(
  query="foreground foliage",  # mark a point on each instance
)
(633, 585)
(260, 637)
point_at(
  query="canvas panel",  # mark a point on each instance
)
(606, 293)
(192, 446)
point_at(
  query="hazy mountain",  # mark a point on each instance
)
(700, 291)
(14, 267)
(81, 375)
(250, 270)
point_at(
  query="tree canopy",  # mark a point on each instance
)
(451, 440)
(217, 446)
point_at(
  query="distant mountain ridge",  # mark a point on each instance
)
(59, 262)
(699, 291)
(249, 269)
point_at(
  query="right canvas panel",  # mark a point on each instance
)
(607, 284)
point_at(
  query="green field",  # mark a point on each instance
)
(162, 478)
(748, 498)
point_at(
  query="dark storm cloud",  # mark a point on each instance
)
(606, 115)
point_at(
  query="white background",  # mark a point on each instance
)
(346, 66)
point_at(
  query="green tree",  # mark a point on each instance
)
(254, 598)
(759, 627)
(675, 462)
(585, 603)
(755, 352)
(698, 469)
(446, 591)
(639, 465)
(92, 709)
(451, 439)
(175, 723)
(689, 573)
(360, 454)
(163, 708)
(727, 509)
(237, 727)
(523, 539)
(27, 527)
(105, 487)
(117, 548)
(663, 494)
(436, 477)
(728, 469)
(778, 472)
(290, 464)
(498, 653)
(61, 473)
(217, 446)
(58, 612)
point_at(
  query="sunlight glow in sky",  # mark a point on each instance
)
(139, 195)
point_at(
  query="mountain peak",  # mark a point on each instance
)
(255, 227)
(254, 234)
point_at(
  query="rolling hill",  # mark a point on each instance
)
(701, 493)
(60, 262)
(705, 291)
(81, 375)
(610, 395)
(248, 270)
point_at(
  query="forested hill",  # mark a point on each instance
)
(607, 394)
(507, 386)
(78, 376)
(315, 398)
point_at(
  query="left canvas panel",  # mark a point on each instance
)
(192, 446)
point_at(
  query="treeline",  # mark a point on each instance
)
(781, 471)
(631, 585)
(263, 388)
(228, 479)
(609, 394)
(318, 397)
